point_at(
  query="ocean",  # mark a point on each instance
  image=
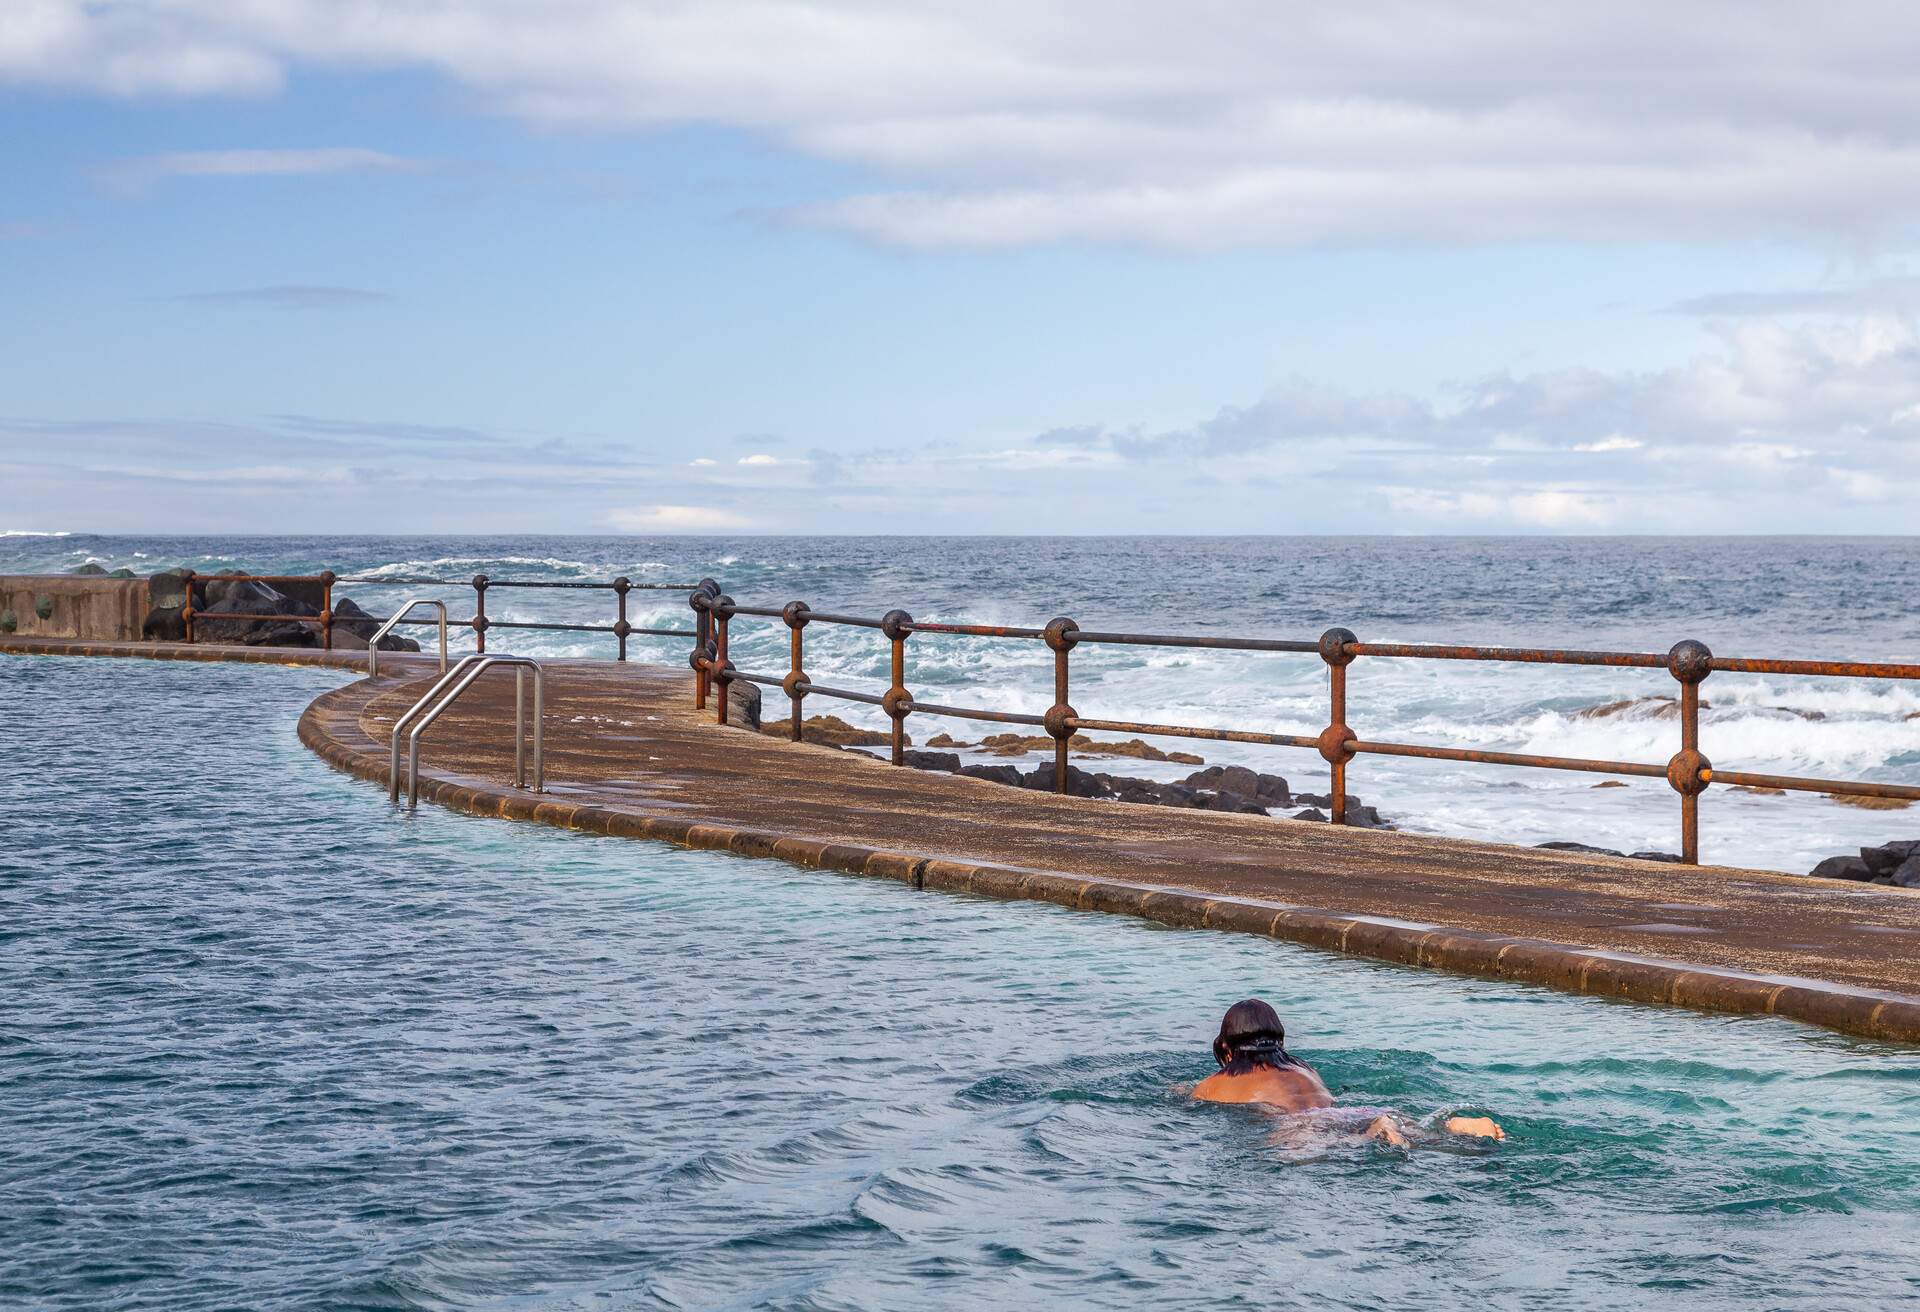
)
(1795, 597)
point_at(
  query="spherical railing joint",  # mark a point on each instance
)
(797, 684)
(1688, 773)
(1336, 743)
(896, 624)
(796, 614)
(328, 576)
(479, 582)
(481, 623)
(723, 672)
(721, 606)
(1333, 646)
(621, 628)
(1690, 661)
(1062, 634)
(622, 584)
(898, 703)
(697, 659)
(1059, 721)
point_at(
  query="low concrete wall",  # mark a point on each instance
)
(84, 606)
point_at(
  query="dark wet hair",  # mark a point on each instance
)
(1251, 1036)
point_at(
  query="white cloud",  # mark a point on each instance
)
(1612, 442)
(1548, 508)
(995, 123)
(760, 459)
(141, 172)
(675, 519)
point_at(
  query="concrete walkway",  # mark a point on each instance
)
(626, 754)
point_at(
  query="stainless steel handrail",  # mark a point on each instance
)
(474, 668)
(393, 768)
(373, 643)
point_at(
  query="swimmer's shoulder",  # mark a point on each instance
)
(1285, 1088)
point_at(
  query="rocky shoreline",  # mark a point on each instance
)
(1895, 865)
(1229, 788)
(229, 593)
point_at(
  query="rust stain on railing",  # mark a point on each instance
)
(1688, 772)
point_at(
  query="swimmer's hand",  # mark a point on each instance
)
(1383, 1129)
(1475, 1127)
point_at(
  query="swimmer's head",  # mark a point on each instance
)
(1251, 1035)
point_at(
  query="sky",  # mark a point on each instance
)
(742, 266)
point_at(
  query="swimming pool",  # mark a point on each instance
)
(265, 1043)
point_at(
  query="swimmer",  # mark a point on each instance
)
(1255, 1067)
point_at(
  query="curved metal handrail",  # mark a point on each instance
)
(373, 643)
(461, 679)
(393, 768)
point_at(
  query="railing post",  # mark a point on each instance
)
(1062, 633)
(480, 612)
(796, 684)
(722, 667)
(701, 602)
(326, 608)
(1336, 739)
(1690, 662)
(898, 703)
(186, 610)
(620, 626)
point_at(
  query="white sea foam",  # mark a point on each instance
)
(31, 533)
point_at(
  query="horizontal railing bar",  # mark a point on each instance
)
(1183, 731)
(491, 583)
(1524, 655)
(209, 616)
(975, 630)
(844, 694)
(1512, 758)
(765, 612)
(860, 622)
(1795, 783)
(970, 713)
(404, 578)
(557, 628)
(1187, 640)
(493, 624)
(258, 578)
(1834, 669)
(766, 680)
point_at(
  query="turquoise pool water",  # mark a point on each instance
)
(266, 1044)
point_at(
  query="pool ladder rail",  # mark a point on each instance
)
(373, 643)
(445, 692)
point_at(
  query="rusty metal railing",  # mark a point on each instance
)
(1688, 772)
(482, 623)
(324, 580)
(621, 629)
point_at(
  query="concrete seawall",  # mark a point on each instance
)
(87, 607)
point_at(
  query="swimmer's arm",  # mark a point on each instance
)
(1474, 1127)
